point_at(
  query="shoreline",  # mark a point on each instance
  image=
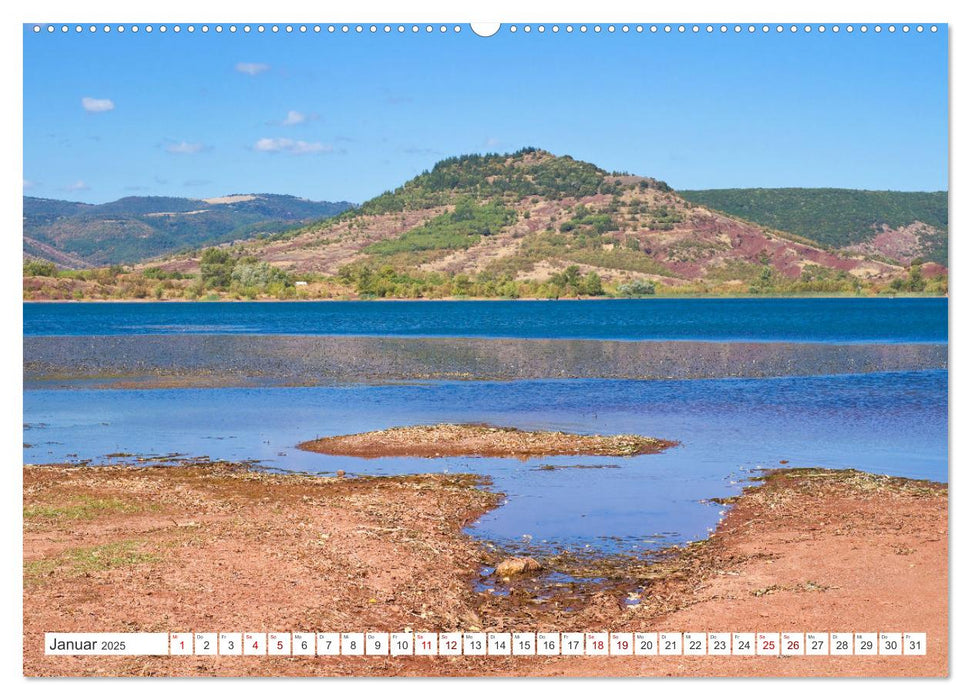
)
(652, 297)
(188, 548)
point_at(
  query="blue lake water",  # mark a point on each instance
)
(844, 320)
(729, 428)
(890, 423)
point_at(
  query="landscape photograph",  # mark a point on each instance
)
(559, 350)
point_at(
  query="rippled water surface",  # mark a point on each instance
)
(893, 423)
(836, 383)
(803, 320)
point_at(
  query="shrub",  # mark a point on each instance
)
(258, 276)
(217, 268)
(40, 268)
(637, 288)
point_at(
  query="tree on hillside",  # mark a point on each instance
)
(592, 285)
(216, 267)
(915, 280)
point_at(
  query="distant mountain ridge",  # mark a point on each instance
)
(902, 226)
(131, 229)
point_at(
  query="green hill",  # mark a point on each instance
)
(135, 228)
(528, 224)
(536, 224)
(838, 218)
(529, 172)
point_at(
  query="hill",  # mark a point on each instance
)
(497, 221)
(899, 225)
(523, 224)
(75, 234)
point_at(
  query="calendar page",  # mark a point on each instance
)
(411, 348)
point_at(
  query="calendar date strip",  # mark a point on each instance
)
(400, 644)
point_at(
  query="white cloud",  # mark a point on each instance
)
(29, 184)
(78, 186)
(185, 148)
(271, 145)
(92, 104)
(294, 117)
(252, 68)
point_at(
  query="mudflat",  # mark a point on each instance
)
(219, 547)
(452, 440)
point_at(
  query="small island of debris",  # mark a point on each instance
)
(478, 440)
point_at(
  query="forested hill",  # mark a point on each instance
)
(131, 229)
(899, 225)
(529, 172)
(531, 223)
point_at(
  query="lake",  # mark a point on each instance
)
(883, 417)
(843, 320)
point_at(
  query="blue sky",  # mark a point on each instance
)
(332, 116)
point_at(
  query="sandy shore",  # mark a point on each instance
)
(453, 440)
(210, 548)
